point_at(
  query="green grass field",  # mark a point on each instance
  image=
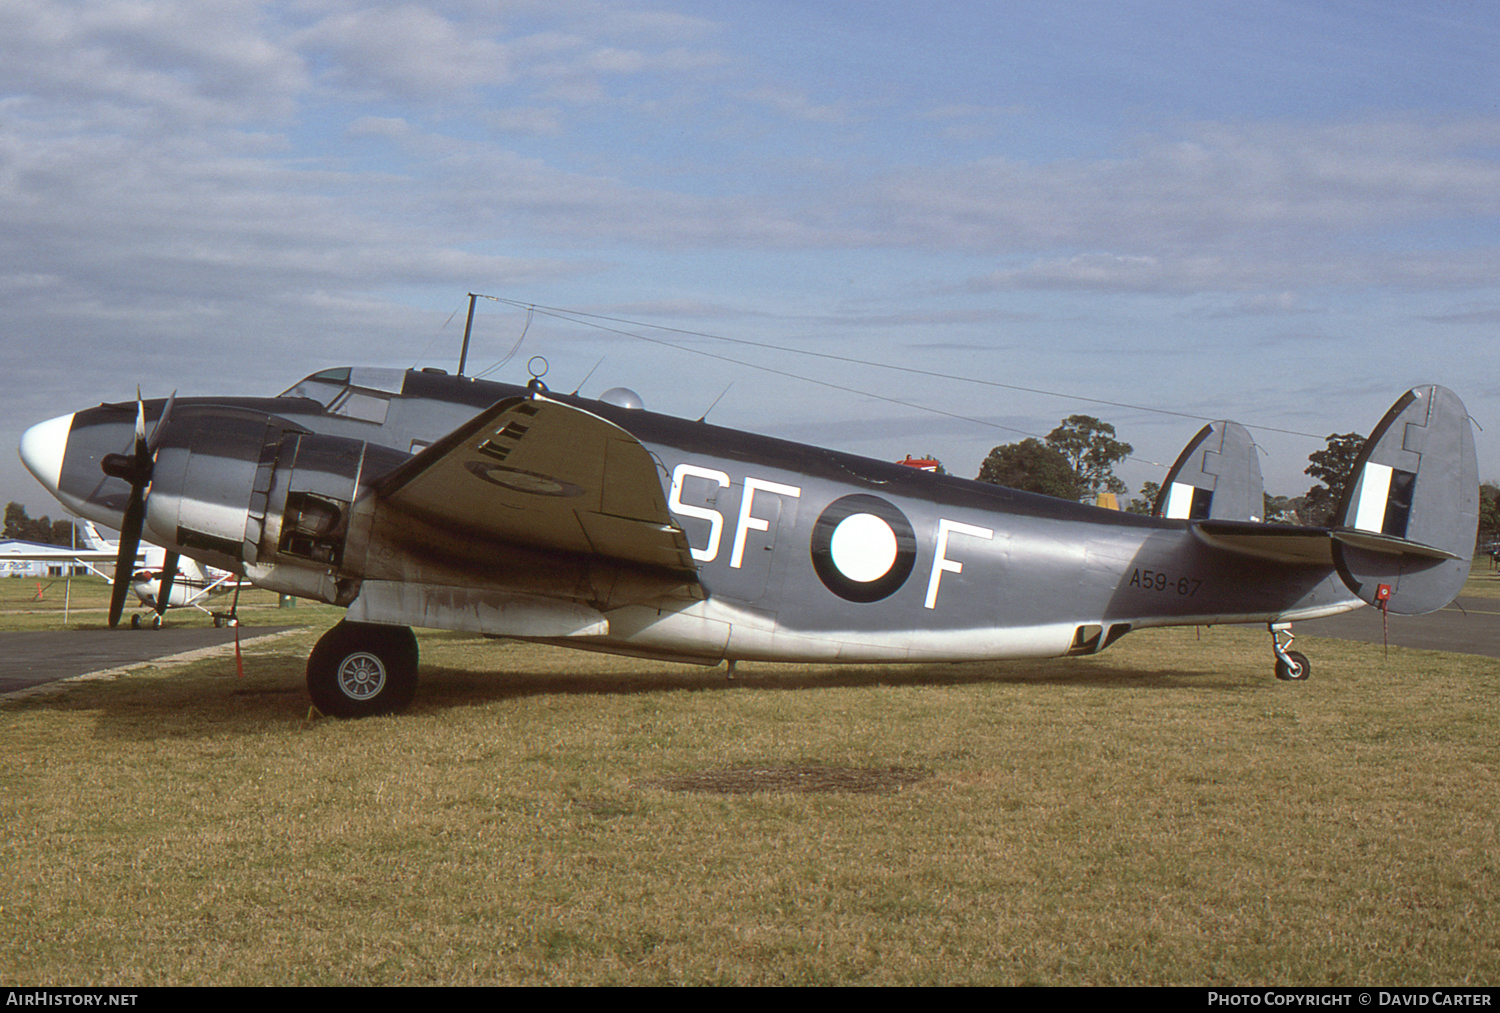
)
(1163, 813)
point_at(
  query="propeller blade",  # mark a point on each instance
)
(130, 540)
(134, 520)
(141, 449)
(161, 424)
(168, 575)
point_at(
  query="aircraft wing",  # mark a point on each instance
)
(60, 554)
(544, 475)
(36, 552)
(32, 552)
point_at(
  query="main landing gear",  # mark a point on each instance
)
(1291, 666)
(358, 670)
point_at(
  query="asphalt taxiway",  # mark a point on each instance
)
(31, 658)
(1468, 626)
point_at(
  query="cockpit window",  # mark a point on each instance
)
(320, 387)
(352, 392)
(358, 404)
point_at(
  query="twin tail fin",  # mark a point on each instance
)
(1216, 477)
(1406, 525)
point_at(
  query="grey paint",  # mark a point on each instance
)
(1217, 476)
(316, 492)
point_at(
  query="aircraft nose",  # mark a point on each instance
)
(42, 450)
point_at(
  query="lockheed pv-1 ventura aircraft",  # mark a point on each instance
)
(416, 498)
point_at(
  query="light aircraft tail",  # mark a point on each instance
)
(1408, 519)
(1216, 477)
(94, 540)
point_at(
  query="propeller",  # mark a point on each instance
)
(134, 468)
(168, 575)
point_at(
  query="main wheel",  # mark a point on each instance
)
(1299, 669)
(361, 669)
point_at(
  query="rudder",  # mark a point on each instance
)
(1409, 515)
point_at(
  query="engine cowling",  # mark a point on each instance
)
(255, 492)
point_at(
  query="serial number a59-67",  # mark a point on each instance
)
(1158, 580)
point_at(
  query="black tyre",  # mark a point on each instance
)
(1299, 669)
(358, 670)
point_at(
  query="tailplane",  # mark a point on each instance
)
(1409, 515)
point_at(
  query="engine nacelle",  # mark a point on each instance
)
(254, 492)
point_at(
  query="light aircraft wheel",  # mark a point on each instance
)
(135, 621)
(218, 622)
(1299, 669)
(362, 669)
(155, 621)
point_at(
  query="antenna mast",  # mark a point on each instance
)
(463, 356)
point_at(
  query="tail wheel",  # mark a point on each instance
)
(362, 669)
(1295, 667)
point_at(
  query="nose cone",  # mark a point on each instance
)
(43, 447)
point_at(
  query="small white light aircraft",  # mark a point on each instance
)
(415, 498)
(191, 585)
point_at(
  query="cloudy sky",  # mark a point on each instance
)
(1284, 213)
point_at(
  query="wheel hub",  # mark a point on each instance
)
(361, 676)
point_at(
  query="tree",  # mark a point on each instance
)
(44, 530)
(1032, 466)
(1333, 466)
(1278, 509)
(1489, 515)
(1149, 492)
(1092, 451)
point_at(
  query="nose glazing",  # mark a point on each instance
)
(43, 447)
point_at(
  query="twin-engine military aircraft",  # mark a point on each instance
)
(416, 498)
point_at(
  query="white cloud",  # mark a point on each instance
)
(405, 52)
(798, 106)
(390, 127)
(199, 62)
(190, 180)
(524, 120)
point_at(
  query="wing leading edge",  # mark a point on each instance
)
(542, 475)
(532, 519)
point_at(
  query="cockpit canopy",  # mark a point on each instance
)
(358, 392)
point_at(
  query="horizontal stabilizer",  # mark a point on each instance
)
(1390, 545)
(1286, 543)
(1280, 543)
(1217, 476)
